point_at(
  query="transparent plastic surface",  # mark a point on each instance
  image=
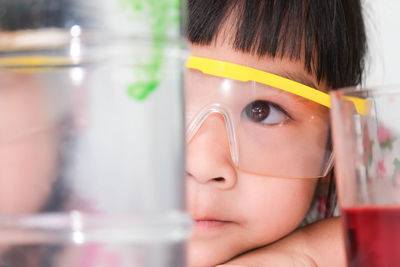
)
(261, 122)
(91, 135)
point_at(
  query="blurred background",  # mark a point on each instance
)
(383, 24)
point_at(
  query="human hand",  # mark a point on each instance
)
(317, 245)
(270, 256)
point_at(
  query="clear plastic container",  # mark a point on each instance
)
(91, 134)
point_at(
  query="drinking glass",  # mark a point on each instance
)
(366, 144)
(91, 134)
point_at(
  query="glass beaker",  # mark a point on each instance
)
(367, 159)
(91, 134)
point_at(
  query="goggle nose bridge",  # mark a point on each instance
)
(203, 114)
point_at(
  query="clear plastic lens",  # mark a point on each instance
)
(270, 133)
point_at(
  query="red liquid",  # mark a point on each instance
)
(373, 236)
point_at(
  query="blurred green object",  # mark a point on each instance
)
(164, 14)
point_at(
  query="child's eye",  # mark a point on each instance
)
(264, 112)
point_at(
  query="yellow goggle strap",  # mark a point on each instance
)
(242, 73)
(34, 63)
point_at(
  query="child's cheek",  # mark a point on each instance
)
(276, 207)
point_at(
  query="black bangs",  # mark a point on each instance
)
(328, 34)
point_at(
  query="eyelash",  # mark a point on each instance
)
(281, 110)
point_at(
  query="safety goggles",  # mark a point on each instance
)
(275, 127)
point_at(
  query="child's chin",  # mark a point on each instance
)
(202, 261)
(206, 254)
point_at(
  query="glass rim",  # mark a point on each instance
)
(366, 91)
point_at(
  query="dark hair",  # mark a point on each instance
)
(328, 34)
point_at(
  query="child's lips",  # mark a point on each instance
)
(206, 225)
(210, 223)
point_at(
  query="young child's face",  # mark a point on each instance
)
(235, 211)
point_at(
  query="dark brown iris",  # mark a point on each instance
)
(258, 110)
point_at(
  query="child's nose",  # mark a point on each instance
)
(208, 158)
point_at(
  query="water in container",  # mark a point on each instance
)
(91, 134)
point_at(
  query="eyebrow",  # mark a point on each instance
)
(300, 78)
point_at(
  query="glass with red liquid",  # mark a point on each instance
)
(366, 142)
